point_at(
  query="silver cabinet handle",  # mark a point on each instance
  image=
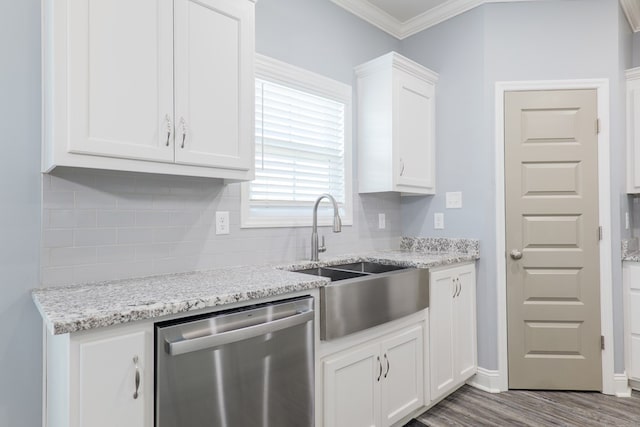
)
(167, 119)
(516, 254)
(459, 287)
(388, 365)
(183, 126)
(455, 287)
(380, 365)
(401, 167)
(137, 379)
(175, 348)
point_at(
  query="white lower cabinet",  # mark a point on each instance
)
(107, 379)
(631, 279)
(453, 342)
(376, 383)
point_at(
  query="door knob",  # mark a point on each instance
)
(516, 254)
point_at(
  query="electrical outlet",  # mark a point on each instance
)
(438, 221)
(382, 221)
(222, 222)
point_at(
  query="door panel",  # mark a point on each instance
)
(121, 66)
(465, 334)
(403, 362)
(414, 117)
(552, 218)
(351, 391)
(214, 83)
(442, 332)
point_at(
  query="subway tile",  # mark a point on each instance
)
(95, 236)
(95, 200)
(152, 184)
(102, 272)
(152, 218)
(185, 218)
(174, 265)
(72, 256)
(56, 238)
(112, 183)
(154, 251)
(120, 253)
(56, 276)
(135, 235)
(135, 201)
(58, 200)
(116, 218)
(169, 234)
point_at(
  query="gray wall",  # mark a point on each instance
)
(636, 50)
(20, 327)
(101, 225)
(519, 41)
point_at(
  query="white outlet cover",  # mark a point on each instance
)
(454, 200)
(382, 221)
(222, 222)
(438, 221)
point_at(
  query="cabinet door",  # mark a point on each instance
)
(402, 380)
(464, 330)
(441, 332)
(352, 388)
(214, 87)
(414, 132)
(107, 382)
(120, 78)
(633, 136)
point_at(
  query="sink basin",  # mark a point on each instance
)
(365, 294)
(334, 275)
(367, 267)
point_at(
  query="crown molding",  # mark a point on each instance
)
(373, 15)
(401, 30)
(632, 11)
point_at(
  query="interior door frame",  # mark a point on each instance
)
(604, 211)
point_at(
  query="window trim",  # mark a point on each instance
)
(270, 69)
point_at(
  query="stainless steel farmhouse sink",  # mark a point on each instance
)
(364, 294)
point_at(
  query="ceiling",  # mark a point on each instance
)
(403, 18)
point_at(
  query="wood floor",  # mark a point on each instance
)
(471, 407)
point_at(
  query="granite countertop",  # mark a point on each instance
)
(75, 308)
(630, 250)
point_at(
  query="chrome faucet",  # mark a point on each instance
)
(337, 225)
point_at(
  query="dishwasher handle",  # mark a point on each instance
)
(188, 346)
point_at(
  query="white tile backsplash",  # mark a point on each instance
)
(102, 225)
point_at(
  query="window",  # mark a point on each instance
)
(303, 148)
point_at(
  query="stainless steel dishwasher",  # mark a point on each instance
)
(247, 367)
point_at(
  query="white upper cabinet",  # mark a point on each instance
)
(162, 86)
(633, 130)
(396, 126)
(214, 92)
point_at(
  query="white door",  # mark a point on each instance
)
(214, 87)
(414, 130)
(107, 382)
(465, 337)
(120, 78)
(352, 388)
(402, 379)
(441, 332)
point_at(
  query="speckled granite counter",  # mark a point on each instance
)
(630, 251)
(82, 307)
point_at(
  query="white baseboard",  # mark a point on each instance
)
(486, 380)
(621, 385)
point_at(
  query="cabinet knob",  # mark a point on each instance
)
(183, 127)
(137, 378)
(516, 254)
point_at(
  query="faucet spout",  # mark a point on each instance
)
(337, 224)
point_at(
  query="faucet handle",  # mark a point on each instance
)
(322, 247)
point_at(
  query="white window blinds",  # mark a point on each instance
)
(300, 148)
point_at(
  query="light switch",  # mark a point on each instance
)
(454, 200)
(438, 221)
